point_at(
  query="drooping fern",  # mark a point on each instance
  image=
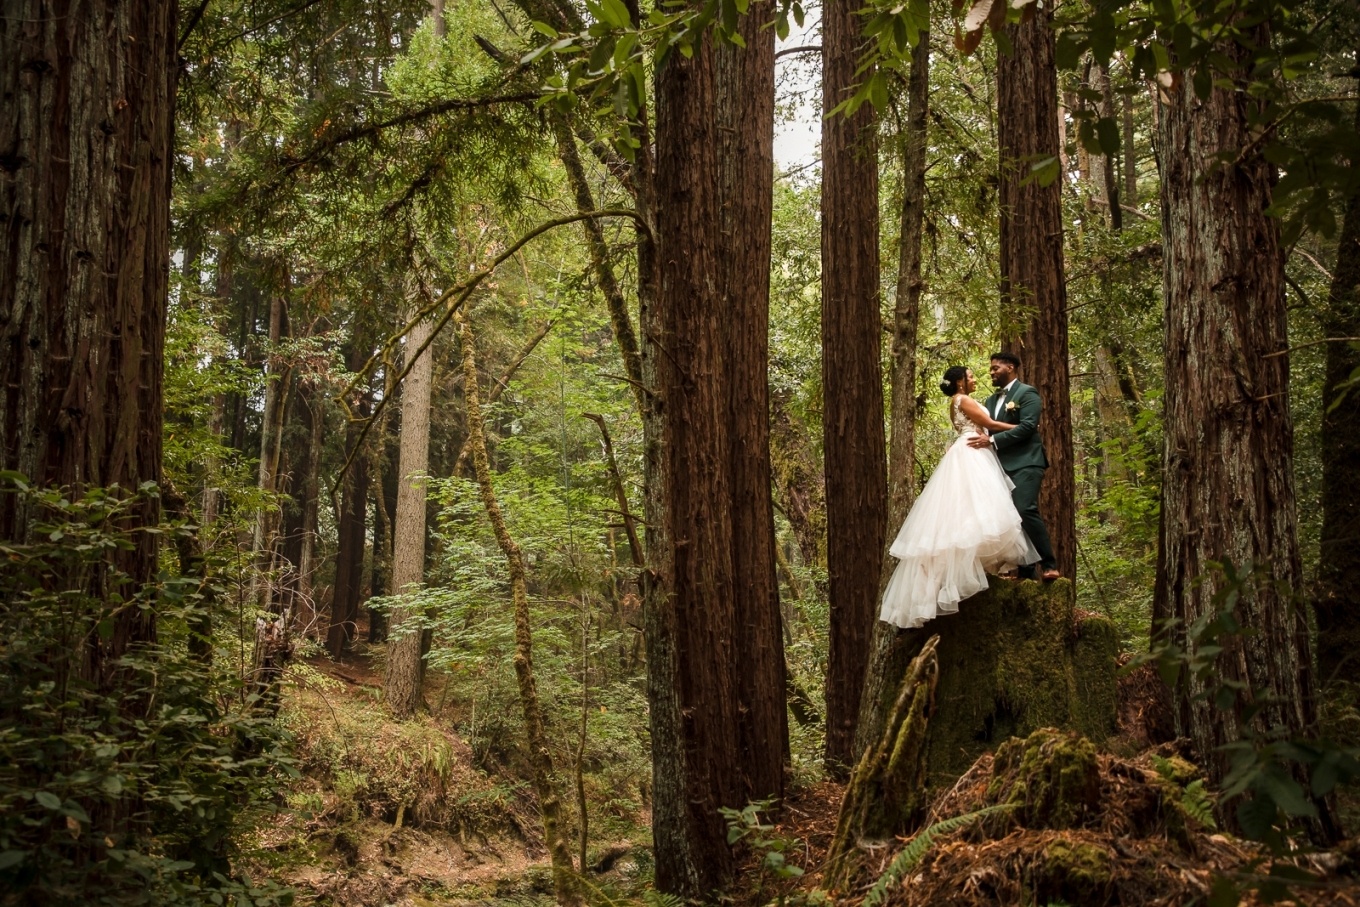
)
(911, 855)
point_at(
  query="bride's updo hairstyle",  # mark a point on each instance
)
(953, 379)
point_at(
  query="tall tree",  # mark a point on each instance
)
(888, 659)
(403, 681)
(1339, 559)
(1033, 286)
(745, 113)
(349, 555)
(852, 384)
(86, 132)
(689, 584)
(1228, 486)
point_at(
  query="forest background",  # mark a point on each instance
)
(393, 412)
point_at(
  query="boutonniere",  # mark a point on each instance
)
(1010, 406)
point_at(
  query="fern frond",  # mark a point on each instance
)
(916, 849)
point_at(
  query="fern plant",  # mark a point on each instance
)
(911, 855)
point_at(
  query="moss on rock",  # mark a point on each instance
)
(1015, 659)
(1052, 778)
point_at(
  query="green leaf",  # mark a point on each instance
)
(48, 799)
(10, 858)
(1107, 134)
(615, 13)
(1046, 171)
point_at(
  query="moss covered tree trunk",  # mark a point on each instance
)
(86, 144)
(565, 885)
(852, 423)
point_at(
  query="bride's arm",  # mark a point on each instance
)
(977, 414)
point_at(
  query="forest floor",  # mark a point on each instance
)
(401, 813)
(405, 814)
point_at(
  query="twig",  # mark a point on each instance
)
(1308, 344)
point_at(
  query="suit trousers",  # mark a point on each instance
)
(1028, 480)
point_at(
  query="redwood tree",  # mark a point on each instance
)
(852, 385)
(1033, 286)
(691, 688)
(1228, 487)
(86, 149)
(745, 115)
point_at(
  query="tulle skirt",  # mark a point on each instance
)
(962, 527)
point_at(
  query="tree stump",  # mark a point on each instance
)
(1012, 660)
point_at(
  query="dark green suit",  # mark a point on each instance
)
(1022, 456)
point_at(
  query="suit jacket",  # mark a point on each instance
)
(1020, 446)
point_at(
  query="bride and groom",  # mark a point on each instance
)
(979, 513)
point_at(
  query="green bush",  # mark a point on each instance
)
(131, 791)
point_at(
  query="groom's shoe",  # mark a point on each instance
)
(1050, 574)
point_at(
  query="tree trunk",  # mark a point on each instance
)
(852, 382)
(689, 587)
(886, 658)
(1129, 153)
(744, 85)
(276, 377)
(540, 758)
(1033, 288)
(86, 131)
(402, 683)
(1338, 589)
(349, 556)
(314, 402)
(1228, 487)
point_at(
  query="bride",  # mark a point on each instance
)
(962, 527)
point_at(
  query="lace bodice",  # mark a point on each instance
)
(961, 422)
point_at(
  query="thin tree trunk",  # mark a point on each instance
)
(276, 376)
(1130, 154)
(1338, 590)
(1228, 487)
(619, 318)
(886, 664)
(460, 464)
(315, 402)
(349, 556)
(744, 94)
(540, 758)
(620, 494)
(1032, 276)
(402, 684)
(852, 384)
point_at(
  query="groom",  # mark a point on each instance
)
(1022, 453)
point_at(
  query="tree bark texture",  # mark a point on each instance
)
(1338, 593)
(886, 664)
(402, 683)
(691, 683)
(852, 385)
(745, 113)
(540, 757)
(1228, 488)
(1033, 286)
(86, 132)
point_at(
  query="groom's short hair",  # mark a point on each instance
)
(1004, 356)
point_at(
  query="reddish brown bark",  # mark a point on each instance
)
(745, 113)
(1228, 487)
(852, 384)
(1033, 285)
(85, 151)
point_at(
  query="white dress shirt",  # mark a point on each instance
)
(1001, 401)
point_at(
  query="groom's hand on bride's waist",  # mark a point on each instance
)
(980, 441)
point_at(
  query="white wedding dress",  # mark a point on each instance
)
(962, 527)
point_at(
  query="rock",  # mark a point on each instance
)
(1051, 777)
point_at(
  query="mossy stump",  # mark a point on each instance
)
(1051, 777)
(1014, 659)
